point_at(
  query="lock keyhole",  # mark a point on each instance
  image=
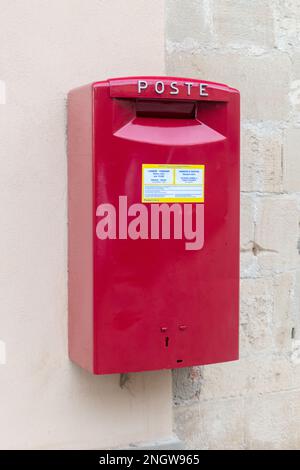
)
(167, 341)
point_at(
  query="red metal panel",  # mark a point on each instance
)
(156, 305)
(80, 223)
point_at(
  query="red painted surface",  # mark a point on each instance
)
(149, 304)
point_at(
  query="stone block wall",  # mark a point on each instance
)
(253, 45)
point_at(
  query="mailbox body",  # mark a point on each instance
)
(145, 304)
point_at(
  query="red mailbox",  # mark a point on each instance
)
(153, 168)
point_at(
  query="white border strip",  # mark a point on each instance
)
(2, 353)
(2, 92)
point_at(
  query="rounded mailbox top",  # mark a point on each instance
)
(161, 87)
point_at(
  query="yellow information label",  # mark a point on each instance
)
(172, 183)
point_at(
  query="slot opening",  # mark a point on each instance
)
(166, 109)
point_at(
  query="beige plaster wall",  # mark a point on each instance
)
(48, 47)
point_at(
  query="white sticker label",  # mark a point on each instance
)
(193, 176)
(158, 176)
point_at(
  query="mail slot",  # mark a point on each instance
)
(153, 233)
